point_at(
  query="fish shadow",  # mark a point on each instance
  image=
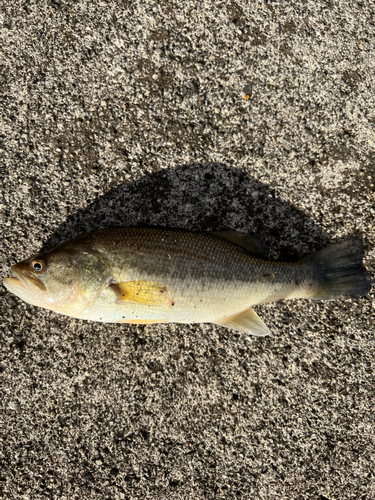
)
(200, 197)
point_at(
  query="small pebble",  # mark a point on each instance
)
(247, 90)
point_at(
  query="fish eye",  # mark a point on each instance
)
(38, 265)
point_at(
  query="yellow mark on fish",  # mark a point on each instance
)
(272, 275)
(149, 293)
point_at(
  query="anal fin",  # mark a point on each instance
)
(247, 321)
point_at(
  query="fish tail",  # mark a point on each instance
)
(338, 271)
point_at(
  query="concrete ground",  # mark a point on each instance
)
(134, 112)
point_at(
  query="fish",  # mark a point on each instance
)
(141, 275)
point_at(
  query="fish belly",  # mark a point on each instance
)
(193, 299)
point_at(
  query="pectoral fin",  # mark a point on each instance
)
(149, 293)
(247, 321)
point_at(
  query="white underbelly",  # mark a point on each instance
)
(199, 305)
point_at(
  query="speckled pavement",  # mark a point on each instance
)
(133, 112)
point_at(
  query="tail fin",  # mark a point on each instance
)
(338, 271)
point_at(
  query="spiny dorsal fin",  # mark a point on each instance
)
(250, 242)
(149, 293)
(247, 321)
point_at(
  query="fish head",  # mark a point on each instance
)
(46, 280)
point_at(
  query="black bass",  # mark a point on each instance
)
(145, 275)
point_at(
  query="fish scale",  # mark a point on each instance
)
(149, 275)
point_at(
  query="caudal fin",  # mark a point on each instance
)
(338, 271)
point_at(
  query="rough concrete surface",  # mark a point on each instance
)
(133, 112)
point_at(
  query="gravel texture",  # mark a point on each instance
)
(134, 112)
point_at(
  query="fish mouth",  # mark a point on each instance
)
(25, 287)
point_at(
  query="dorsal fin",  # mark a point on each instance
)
(249, 242)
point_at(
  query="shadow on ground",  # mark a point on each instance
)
(200, 197)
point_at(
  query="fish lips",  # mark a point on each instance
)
(23, 285)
